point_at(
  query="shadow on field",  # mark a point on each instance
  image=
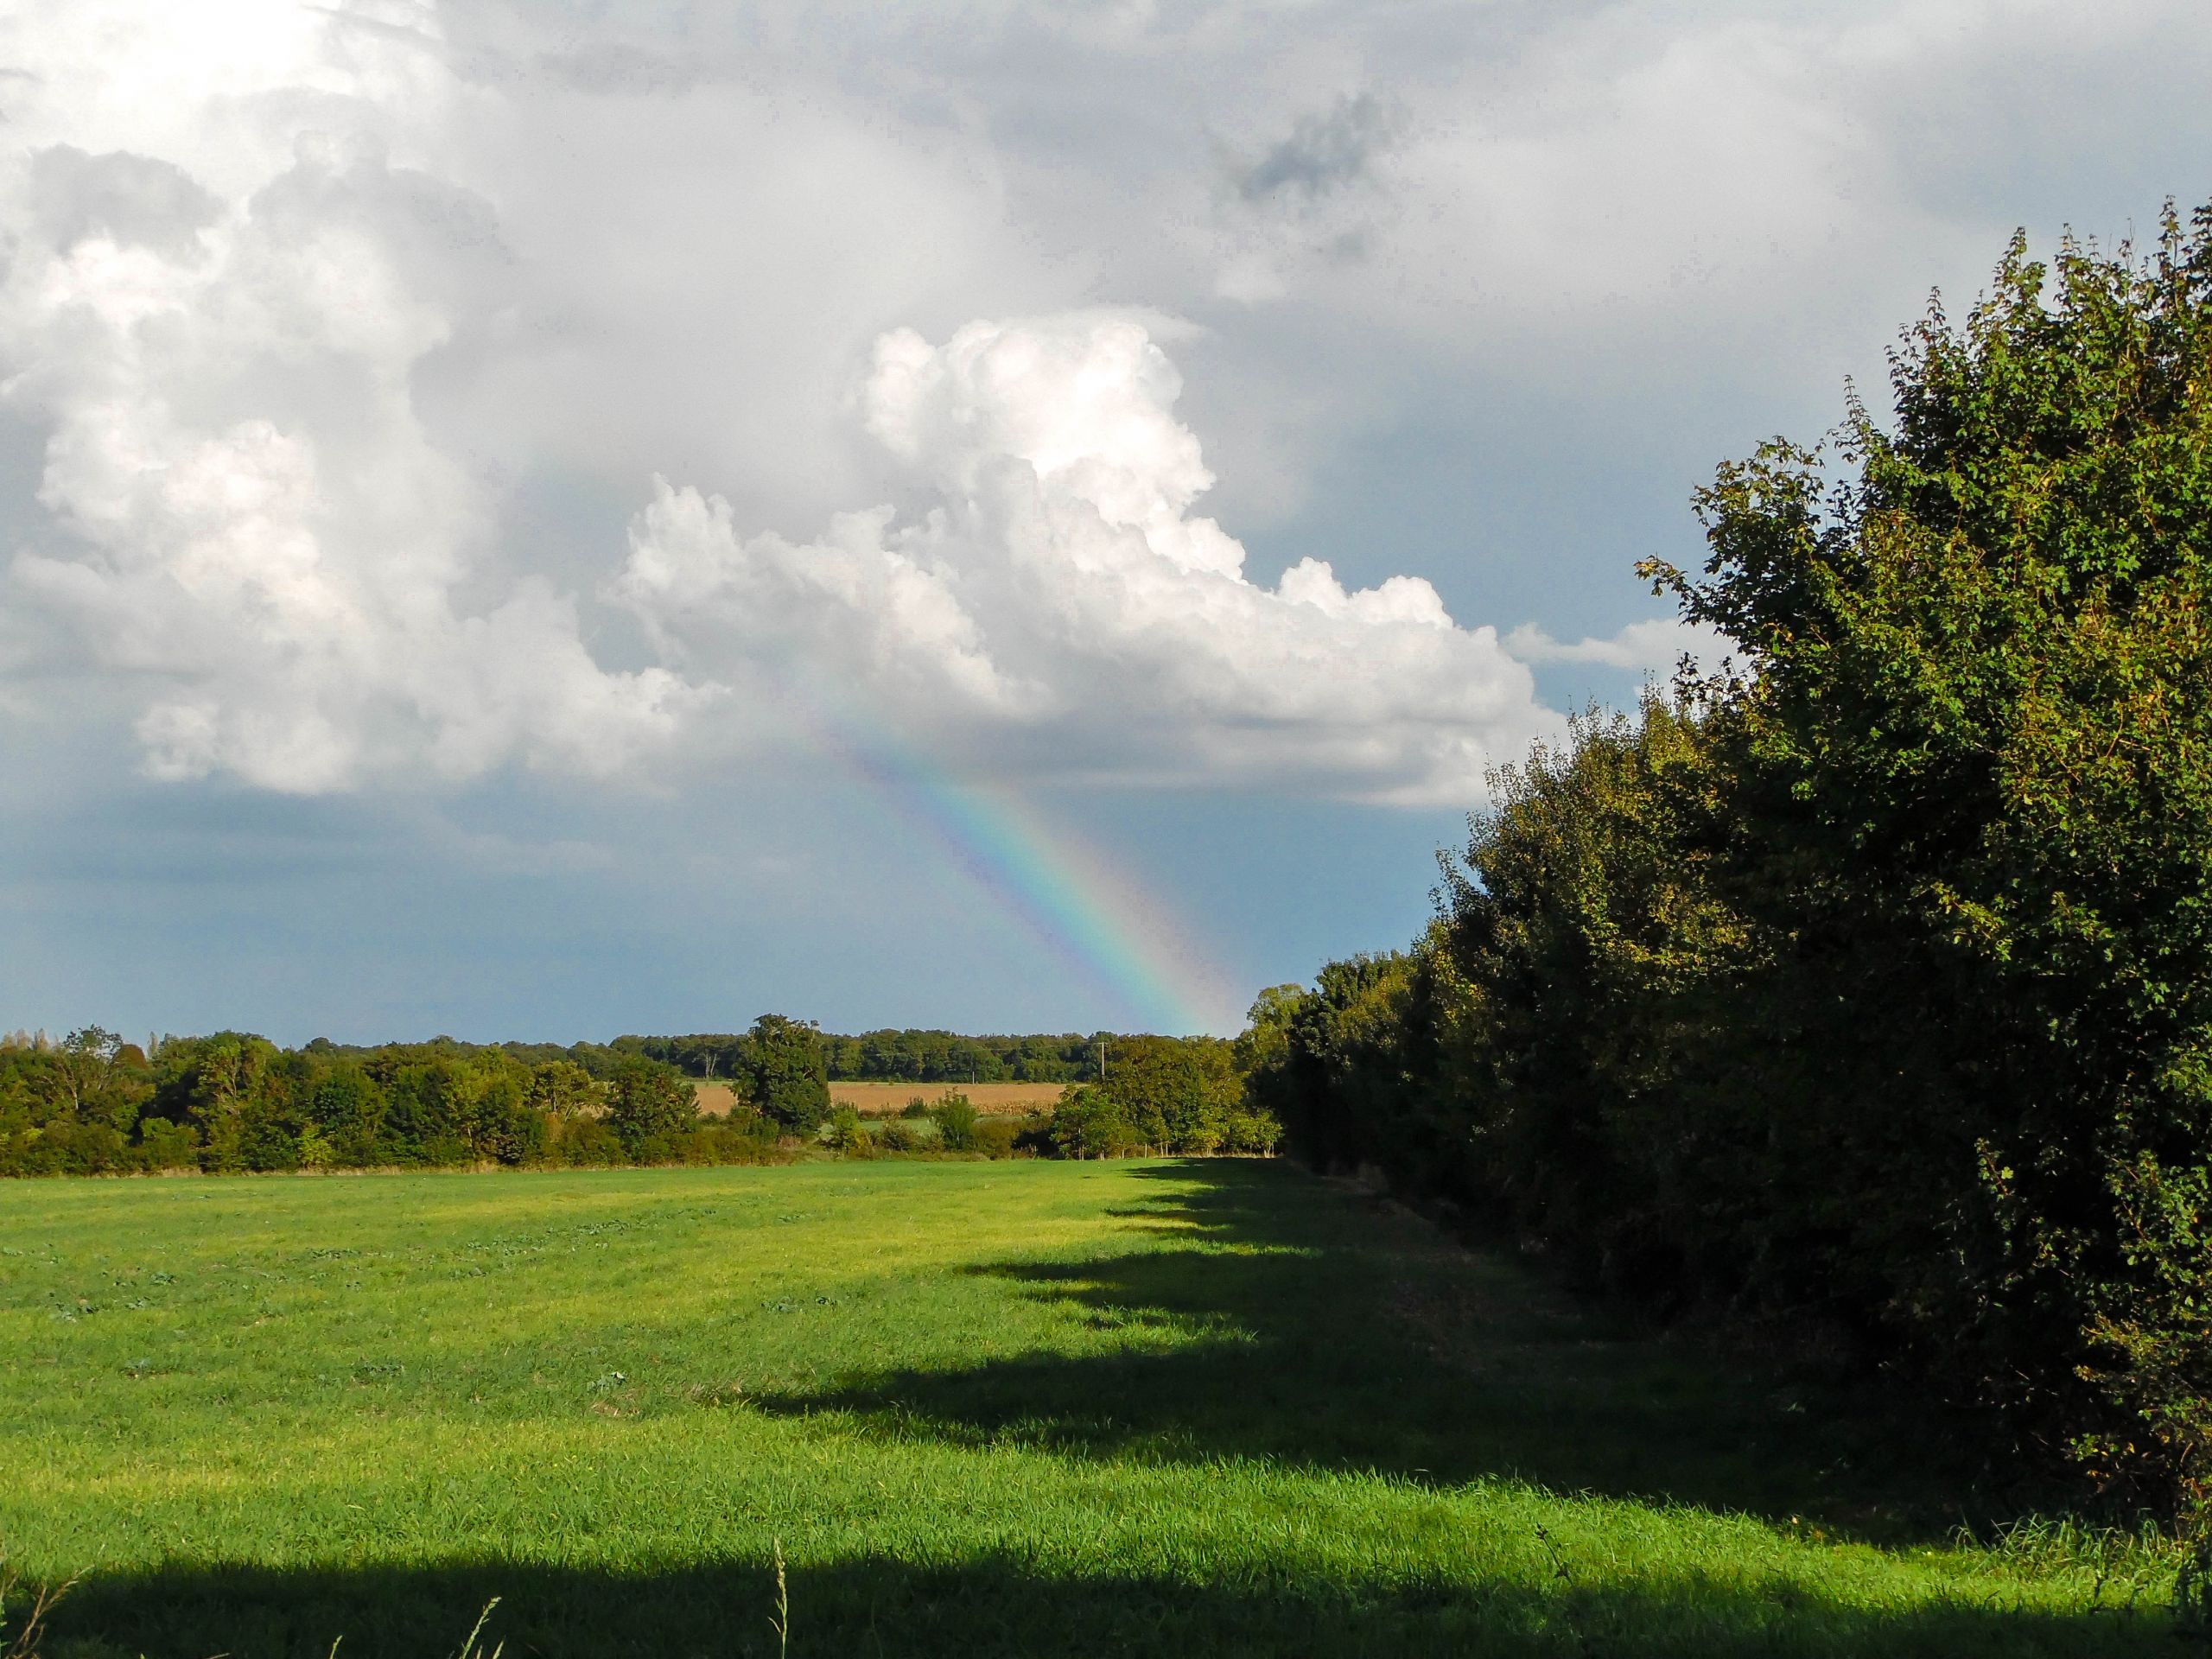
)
(998, 1606)
(1275, 1316)
(1252, 1312)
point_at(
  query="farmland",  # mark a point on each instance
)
(982, 1408)
(886, 1099)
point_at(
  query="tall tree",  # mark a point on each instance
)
(785, 1072)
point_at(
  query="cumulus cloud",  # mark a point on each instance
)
(1058, 605)
(298, 300)
(242, 265)
(218, 294)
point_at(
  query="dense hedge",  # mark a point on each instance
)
(1868, 988)
(92, 1104)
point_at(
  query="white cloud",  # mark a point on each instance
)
(218, 334)
(1059, 606)
(1653, 646)
(297, 298)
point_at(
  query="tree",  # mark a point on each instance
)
(1089, 1123)
(1975, 799)
(1266, 1036)
(785, 1074)
(564, 1089)
(649, 1104)
(1869, 983)
(1175, 1093)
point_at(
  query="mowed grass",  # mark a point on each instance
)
(1020, 1407)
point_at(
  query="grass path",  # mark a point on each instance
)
(1171, 1408)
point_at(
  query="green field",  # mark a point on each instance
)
(1176, 1408)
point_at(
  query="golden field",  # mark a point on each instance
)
(888, 1099)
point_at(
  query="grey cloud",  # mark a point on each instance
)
(133, 199)
(1324, 153)
(616, 69)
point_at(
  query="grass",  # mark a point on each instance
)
(1171, 1408)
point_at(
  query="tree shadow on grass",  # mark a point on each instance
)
(1272, 1316)
(1254, 1313)
(992, 1605)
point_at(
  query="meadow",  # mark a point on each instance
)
(1170, 1406)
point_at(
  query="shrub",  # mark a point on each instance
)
(955, 1122)
(996, 1137)
(845, 1132)
(583, 1142)
(900, 1136)
(745, 1139)
(165, 1144)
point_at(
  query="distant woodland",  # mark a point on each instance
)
(92, 1104)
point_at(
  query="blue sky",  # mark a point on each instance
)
(494, 498)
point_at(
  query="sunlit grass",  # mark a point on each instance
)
(1007, 1407)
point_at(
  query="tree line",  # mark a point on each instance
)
(92, 1104)
(1863, 989)
(909, 1056)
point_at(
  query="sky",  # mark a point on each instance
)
(538, 521)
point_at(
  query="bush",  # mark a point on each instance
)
(902, 1135)
(169, 1146)
(955, 1122)
(845, 1132)
(746, 1140)
(996, 1137)
(586, 1143)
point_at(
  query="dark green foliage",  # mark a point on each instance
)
(999, 1137)
(896, 1056)
(784, 1073)
(1090, 1123)
(946, 1057)
(233, 1102)
(1005, 1138)
(1870, 990)
(648, 1106)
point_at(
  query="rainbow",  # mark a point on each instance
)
(1091, 914)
